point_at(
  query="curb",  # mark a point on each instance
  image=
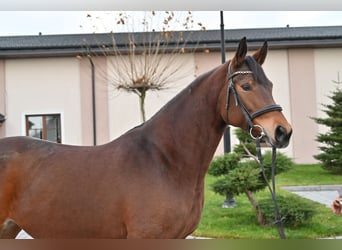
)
(312, 188)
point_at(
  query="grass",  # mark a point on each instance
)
(241, 222)
(308, 175)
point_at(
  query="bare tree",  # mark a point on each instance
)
(149, 60)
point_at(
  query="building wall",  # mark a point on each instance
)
(43, 86)
(302, 80)
(328, 67)
(2, 97)
(124, 107)
(302, 84)
(101, 134)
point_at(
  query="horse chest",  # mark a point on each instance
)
(193, 214)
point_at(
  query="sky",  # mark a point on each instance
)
(15, 23)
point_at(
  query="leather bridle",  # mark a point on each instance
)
(250, 117)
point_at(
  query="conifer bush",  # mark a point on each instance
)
(331, 141)
(239, 173)
(294, 210)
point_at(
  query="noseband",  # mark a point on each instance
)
(249, 117)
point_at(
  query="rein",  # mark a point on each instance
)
(249, 117)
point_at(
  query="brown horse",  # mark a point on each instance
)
(149, 182)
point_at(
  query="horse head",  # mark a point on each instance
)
(248, 102)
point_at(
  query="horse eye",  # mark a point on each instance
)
(246, 87)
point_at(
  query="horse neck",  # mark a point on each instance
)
(188, 129)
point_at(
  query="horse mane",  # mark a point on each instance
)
(201, 77)
(190, 87)
(259, 73)
(183, 94)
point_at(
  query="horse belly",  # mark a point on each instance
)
(52, 208)
(68, 220)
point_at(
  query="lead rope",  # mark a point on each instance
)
(278, 219)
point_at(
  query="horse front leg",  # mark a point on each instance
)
(9, 230)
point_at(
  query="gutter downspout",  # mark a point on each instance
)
(93, 99)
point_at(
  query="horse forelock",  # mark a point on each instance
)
(257, 70)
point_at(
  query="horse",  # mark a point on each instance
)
(147, 183)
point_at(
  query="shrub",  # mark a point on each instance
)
(331, 141)
(295, 210)
(223, 164)
(236, 175)
(245, 176)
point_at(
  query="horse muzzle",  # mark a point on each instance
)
(281, 137)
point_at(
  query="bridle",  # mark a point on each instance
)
(250, 117)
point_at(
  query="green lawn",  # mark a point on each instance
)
(241, 223)
(308, 175)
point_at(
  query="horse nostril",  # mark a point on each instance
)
(280, 134)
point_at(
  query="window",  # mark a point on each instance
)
(46, 127)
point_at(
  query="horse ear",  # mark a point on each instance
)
(261, 54)
(240, 54)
